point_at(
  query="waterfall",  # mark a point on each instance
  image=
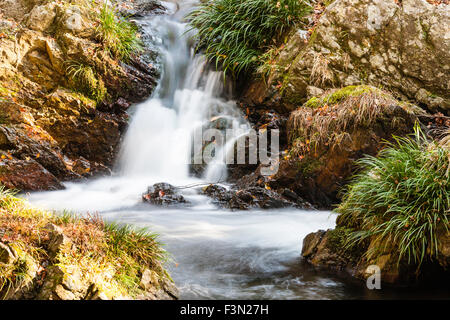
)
(159, 139)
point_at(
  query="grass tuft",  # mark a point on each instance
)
(401, 198)
(329, 120)
(99, 248)
(119, 35)
(236, 33)
(86, 80)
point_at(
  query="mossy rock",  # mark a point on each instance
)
(339, 95)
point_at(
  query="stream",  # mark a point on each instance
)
(215, 253)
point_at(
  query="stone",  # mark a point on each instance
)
(403, 47)
(42, 17)
(443, 255)
(56, 55)
(163, 194)
(58, 240)
(32, 175)
(149, 280)
(7, 255)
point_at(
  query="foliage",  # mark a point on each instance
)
(329, 120)
(86, 80)
(236, 33)
(99, 247)
(401, 198)
(119, 35)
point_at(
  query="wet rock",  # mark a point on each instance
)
(329, 250)
(399, 46)
(30, 143)
(322, 152)
(249, 197)
(142, 8)
(27, 175)
(163, 194)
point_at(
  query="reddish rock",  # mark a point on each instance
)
(27, 175)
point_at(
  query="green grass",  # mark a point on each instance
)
(98, 248)
(119, 36)
(236, 33)
(86, 80)
(401, 198)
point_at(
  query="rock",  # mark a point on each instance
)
(58, 240)
(311, 242)
(64, 284)
(403, 47)
(149, 280)
(32, 143)
(42, 16)
(249, 197)
(163, 194)
(27, 175)
(170, 288)
(329, 249)
(7, 255)
(443, 254)
(47, 116)
(326, 138)
(142, 8)
(56, 55)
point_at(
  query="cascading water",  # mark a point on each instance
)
(219, 254)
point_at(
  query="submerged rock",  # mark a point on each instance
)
(163, 194)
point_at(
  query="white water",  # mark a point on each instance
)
(220, 254)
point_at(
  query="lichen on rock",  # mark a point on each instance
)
(402, 46)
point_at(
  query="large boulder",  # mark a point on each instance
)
(328, 133)
(33, 176)
(403, 46)
(331, 250)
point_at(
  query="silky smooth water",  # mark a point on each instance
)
(215, 253)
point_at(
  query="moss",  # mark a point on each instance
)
(328, 2)
(86, 81)
(313, 103)
(86, 100)
(337, 96)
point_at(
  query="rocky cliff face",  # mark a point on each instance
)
(400, 45)
(54, 126)
(381, 61)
